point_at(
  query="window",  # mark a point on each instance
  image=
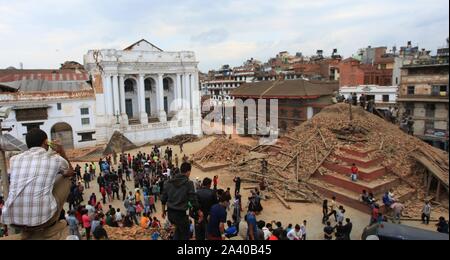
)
(441, 90)
(429, 125)
(85, 121)
(31, 114)
(430, 110)
(58, 106)
(385, 98)
(396, 80)
(84, 111)
(148, 85)
(409, 109)
(166, 84)
(86, 137)
(411, 90)
(283, 112)
(129, 87)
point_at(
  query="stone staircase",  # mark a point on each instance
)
(373, 177)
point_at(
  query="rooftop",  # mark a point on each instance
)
(286, 89)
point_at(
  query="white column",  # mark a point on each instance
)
(187, 92)
(195, 93)
(141, 100)
(160, 99)
(178, 90)
(122, 100)
(108, 96)
(115, 86)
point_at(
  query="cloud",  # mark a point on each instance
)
(45, 33)
(211, 36)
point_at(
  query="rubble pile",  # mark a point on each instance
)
(181, 139)
(135, 233)
(301, 153)
(386, 139)
(222, 150)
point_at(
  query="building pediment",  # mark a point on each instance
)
(143, 45)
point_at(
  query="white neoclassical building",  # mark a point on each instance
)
(145, 93)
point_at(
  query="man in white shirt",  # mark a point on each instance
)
(303, 230)
(40, 185)
(266, 231)
(295, 233)
(118, 216)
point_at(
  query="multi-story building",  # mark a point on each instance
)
(423, 95)
(384, 96)
(61, 102)
(298, 100)
(375, 68)
(143, 92)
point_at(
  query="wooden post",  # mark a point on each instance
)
(323, 139)
(292, 160)
(321, 162)
(430, 178)
(438, 190)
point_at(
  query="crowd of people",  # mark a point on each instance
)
(149, 173)
(195, 209)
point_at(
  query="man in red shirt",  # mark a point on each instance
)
(354, 175)
(215, 181)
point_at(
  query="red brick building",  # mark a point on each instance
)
(298, 100)
(353, 73)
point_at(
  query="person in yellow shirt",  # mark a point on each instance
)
(145, 221)
(138, 196)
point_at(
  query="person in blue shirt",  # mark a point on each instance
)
(217, 219)
(231, 231)
(251, 223)
(387, 201)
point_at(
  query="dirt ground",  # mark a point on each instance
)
(273, 209)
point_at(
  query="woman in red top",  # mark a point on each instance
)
(103, 192)
(87, 224)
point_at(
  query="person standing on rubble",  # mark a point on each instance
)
(237, 185)
(179, 195)
(40, 183)
(354, 174)
(354, 99)
(264, 166)
(362, 101)
(426, 212)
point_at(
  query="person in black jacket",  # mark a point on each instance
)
(206, 198)
(179, 195)
(348, 229)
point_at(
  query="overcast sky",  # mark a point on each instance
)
(45, 33)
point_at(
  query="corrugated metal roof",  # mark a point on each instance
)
(47, 86)
(286, 89)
